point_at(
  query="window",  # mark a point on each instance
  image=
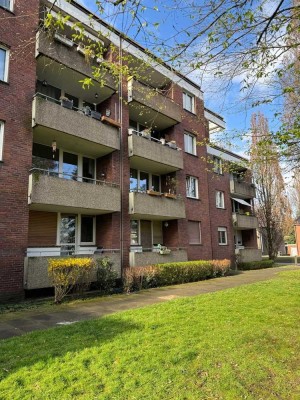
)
(220, 199)
(190, 143)
(87, 229)
(194, 230)
(222, 236)
(192, 187)
(7, 4)
(142, 181)
(74, 230)
(145, 233)
(4, 56)
(188, 102)
(134, 232)
(1, 139)
(217, 165)
(63, 164)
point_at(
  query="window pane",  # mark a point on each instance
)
(133, 180)
(75, 100)
(67, 229)
(144, 181)
(5, 3)
(87, 229)
(88, 169)
(155, 183)
(43, 157)
(70, 170)
(2, 64)
(134, 232)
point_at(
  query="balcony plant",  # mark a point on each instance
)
(153, 192)
(171, 183)
(65, 102)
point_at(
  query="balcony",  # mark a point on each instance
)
(73, 129)
(248, 254)
(243, 221)
(242, 189)
(148, 104)
(36, 267)
(151, 155)
(143, 205)
(48, 192)
(53, 55)
(150, 257)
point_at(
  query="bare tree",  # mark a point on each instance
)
(272, 205)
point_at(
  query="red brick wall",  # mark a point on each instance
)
(15, 110)
(220, 217)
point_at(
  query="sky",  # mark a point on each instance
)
(230, 103)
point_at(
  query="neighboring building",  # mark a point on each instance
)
(82, 173)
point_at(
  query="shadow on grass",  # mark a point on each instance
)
(44, 346)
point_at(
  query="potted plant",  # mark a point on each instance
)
(164, 250)
(65, 102)
(171, 183)
(96, 115)
(153, 192)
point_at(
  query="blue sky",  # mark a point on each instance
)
(229, 103)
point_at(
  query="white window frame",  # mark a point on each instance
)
(218, 165)
(222, 229)
(150, 179)
(200, 235)
(77, 230)
(220, 199)
(6, 63)
(187, 137)
(11, 6)
(188, 106)
(1, 139)
(190, 179)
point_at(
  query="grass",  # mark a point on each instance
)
(241, 343)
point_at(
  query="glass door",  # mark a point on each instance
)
(67, 234)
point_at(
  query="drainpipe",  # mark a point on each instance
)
(120, 89)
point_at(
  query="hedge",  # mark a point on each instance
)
(245, 266)
(137, 278)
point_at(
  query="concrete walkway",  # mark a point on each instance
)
(21, 322)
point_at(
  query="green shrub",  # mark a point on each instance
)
(245, 266)
(106, 276)
(137, 278)
(68, 274)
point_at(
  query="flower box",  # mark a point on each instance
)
(63, 39)
(153, 193)
(170, 195)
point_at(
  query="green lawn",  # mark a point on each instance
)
(237, 344)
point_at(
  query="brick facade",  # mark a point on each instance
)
(18, 35)
(19, 231)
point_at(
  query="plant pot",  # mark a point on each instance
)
(170, 195)
(63, 39)
(153, 193)
(96, 115)
(67, 104)
(110, 121)
(165, 251)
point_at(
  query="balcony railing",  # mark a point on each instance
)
(69, 122)
(165, 206)
(161, 156)
(242, 189)
(244, 221)
(154, 101)
(36, 267)
(53, 191)
(152, 257)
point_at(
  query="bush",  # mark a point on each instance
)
(67, 274)
(245, 266)
(137, 278)
(106, 276)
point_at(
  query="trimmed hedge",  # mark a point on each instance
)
(137, 278)
(246, 266)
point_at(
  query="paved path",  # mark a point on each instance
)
(21, 322)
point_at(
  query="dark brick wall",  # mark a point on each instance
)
(15, 110)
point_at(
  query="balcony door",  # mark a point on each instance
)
(67, 234)
(146, 234)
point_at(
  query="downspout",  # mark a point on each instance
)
(120, 89)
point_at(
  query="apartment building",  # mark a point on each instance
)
(112, 170)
